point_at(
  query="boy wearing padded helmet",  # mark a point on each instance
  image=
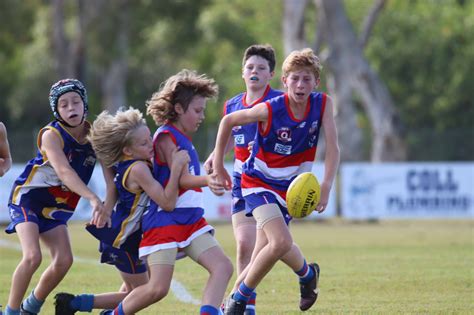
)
(46, 194)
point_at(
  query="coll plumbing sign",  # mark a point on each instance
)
(407, 190)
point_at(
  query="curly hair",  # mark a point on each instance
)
(109, 134)
(180, 88)
(299, 59)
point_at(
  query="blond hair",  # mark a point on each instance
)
(180, 88)
(109, 134)
(302, 59)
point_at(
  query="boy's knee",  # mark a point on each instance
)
(281, 246)
(158, 293)
(244, 248)
(32, 259)
(63, 262)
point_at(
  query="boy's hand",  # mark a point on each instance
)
(100, 216)
(180, 157)
(208, 164)
(323, 201)
(223, 178)
(214, 185)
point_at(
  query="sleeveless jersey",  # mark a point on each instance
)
(244, 134)
(39, 188)
(127, 215)
(170, 229)
(285, 149)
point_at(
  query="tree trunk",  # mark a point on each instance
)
(387, 144)
(115, 79)
(69, 54)
(293, 25)
(349, 134)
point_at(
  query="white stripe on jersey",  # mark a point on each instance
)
(190, 199)
(238, 166)
(40, 176)
(282, 173)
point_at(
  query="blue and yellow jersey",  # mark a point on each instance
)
(39, 188)
(131, 204)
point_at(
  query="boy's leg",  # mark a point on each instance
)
(271, 220)
(161, 266)
(308, 276)
(261, 242)
(69, 304)
(59, 245)
(28, 235)
(206, 251)
(245, 234)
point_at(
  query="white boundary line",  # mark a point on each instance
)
(177, 288)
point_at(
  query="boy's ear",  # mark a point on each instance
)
(178, 108)
(283, 80)
(318, 80)
(126, 151)
(272, 73)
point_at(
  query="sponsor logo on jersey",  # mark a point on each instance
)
(302, 124)
(283, 149)
(239, 139)
(284, 134)
(90, 160)
(314, 126)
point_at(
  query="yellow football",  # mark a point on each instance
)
(303, 195)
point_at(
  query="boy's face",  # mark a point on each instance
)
(142, 145)
(71, 108)
(190, 120)
(300, 83)
(256, 73)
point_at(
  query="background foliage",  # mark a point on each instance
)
(423, 50)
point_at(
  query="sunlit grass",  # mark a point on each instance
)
(394, 267)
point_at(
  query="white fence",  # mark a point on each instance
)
(216, 208)
(367, 191)
(407, 190)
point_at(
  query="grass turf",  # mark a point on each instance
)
(388, 267)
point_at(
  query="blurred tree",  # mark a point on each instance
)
(424, 50)
(350, 72)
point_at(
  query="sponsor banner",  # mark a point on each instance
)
(407, 190)
(216, 208)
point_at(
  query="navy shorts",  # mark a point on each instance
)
(20, 214)
(121, 259)
(257, 199)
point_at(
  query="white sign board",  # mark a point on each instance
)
(216, 208)
(407, 190)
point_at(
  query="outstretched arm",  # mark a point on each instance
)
(51, 145)
(242, 117)
(331, 159)
(142, 176)
(100, 219)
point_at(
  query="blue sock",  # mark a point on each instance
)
(250, 307)
(243, 293)
(83, 302)
(305, 273)
(118, 310)
(32, 304)
(9, 311)
(208, 310)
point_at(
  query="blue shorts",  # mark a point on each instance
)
(238, 201)
(124, 258)
(121, 259)
(19, 214)
(256, 200)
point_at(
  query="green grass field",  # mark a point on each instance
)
(390, 267)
